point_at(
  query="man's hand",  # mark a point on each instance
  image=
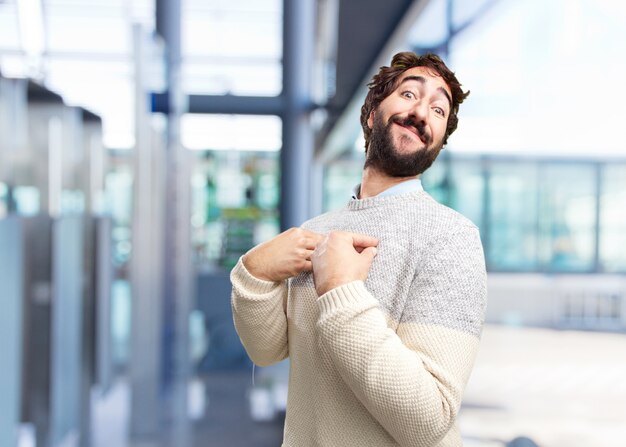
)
(341, 258)
(284, 256)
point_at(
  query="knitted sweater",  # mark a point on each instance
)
(382, 362)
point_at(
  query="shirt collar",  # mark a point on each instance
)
(412, 185)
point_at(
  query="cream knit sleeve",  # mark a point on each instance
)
(411, 379)
(259, 314)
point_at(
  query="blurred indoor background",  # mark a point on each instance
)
(146, 144)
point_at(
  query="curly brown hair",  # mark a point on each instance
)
(386, 81)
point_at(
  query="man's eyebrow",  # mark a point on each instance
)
(422, 80)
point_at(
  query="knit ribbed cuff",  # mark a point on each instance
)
(242, 276)
(347, 295)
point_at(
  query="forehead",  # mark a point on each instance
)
(433, 80)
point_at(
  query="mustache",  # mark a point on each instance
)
(410, 121)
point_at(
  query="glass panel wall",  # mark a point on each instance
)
(512, 217)
(4, 200)
(466, 188)
(235, 198)
(119, 203)
(567, 217)
(535, 215)
(218, 57)
(435, 179)
(613, 219)
(235, 184)
(457, 182)
(340, 179)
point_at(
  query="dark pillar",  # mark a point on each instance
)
(176, 267)
(297, 150)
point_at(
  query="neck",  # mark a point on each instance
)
(373, 182)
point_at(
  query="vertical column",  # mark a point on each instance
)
(177, 267)
(13, 127)
(67, 336)
(450, 31)
(11, 278)
(145, 359)
(598, 267)
(37, 325)
(485, 229)
(297, 150)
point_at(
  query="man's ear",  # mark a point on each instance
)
(370, 120)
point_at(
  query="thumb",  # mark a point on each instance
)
(369, 252)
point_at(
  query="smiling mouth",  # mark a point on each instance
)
(415, 127)
(413, 130)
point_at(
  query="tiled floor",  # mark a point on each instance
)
(558, 388)
(227, 420)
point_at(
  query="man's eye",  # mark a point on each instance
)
(440, 111)
(408, 94)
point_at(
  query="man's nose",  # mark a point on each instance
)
(419, 110)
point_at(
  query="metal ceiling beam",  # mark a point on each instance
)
(228, 104)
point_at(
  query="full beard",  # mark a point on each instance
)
(382, 156)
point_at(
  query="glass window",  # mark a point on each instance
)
(340, 178)
(221, 77)
(513, 60)
(119, 197)
(112, 99)
(232, 47)
(27, 200)
(78, 33)
(431, 29)
(235, 197)
(9, 31)
(435, 179)
(466, 185)
(512, 216)
(567, 217)
(89, 59)
(4, 206)
(613, 219)
(231, 132)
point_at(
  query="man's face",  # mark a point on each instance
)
(409, 125)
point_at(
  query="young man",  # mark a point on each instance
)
(380, 305)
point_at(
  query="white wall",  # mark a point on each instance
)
(565, 301)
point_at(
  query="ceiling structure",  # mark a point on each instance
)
(364, 27)
(102, 56)
(369, 31)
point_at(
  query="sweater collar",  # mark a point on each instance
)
(412, 185)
